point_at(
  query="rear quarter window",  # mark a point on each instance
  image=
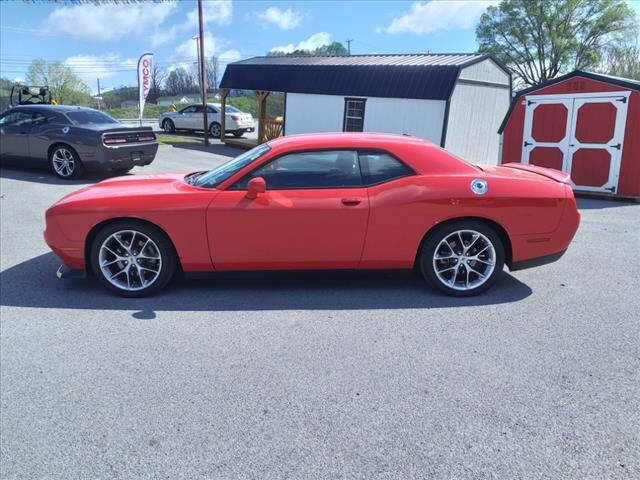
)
(381, 167)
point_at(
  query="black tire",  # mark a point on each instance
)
(427, 262)
(214, 130)
(74, 168)
(168, 263)
(168, 126)
(238, 133)
(123, 171)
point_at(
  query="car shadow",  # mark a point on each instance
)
(43, 175)
(590, 203)
(33, 283)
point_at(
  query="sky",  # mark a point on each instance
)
(105, 40)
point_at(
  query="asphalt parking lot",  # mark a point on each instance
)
(309, 375)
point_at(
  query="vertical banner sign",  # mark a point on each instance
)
(144, 79)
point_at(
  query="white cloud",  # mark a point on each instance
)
(189, 48)
(108, 22)
(283, 19)
(214, 11)
(90, 67)
(229, 56)
(426, 17)
(314, 41)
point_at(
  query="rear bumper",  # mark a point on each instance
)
(110, 158)
(536, 262)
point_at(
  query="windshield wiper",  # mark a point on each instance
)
(192, 177)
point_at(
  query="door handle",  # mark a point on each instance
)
(351, 202)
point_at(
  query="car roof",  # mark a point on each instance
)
(352, 139)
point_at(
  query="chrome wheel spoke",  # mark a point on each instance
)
(142, 265)
(457, 263)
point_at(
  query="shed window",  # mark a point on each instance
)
(353, 114)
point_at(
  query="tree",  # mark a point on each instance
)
(213, 73)
(66, 87)
(158, 77)
(541, 39)
(335, 48)
(180, 81)
(622, 61)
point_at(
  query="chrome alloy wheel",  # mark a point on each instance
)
(215, 130)
(63, 162)
(464, 260)
(130, 260)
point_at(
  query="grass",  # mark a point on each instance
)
(176, 139)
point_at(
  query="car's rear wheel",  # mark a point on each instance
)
(214, 130)
(132, 258)
(65, 163)
(462, 258)
(168, 126)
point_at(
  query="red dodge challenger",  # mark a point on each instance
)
(323, 201)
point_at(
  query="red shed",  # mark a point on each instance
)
(587, 124)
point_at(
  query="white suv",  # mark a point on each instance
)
(190, 118)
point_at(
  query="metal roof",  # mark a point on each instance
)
(601, 77)
(422, 75)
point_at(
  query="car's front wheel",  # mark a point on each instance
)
(65, 163)
(132, 258)
(462, 258)
(214, 130)
(168, 126)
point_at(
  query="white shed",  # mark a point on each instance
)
(454, 100)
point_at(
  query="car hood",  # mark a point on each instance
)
(127, 189)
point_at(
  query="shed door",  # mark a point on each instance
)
(580, 134)
(595, 148)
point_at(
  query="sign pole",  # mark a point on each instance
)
(203, 76)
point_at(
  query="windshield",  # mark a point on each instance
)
(87, 117)
(230, 109)
(218, 175)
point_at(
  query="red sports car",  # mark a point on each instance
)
(323, 201)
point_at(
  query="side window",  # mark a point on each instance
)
(212, 110)
(39, 118)
(198, 108)
(322, 169)
(16, 119)
(190, 109)
(380, 167)
(353, 114)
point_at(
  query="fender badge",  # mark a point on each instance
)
(479, 186)
(65, 129)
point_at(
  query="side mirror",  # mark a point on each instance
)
(256, 185)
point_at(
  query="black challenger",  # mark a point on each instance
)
(72, 140)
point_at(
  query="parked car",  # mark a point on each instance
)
(323, 201)
(190, 118)
(72, 140)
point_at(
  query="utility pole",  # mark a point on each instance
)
(203, 77)
(197, 39)
(99, 94)
(349, 46)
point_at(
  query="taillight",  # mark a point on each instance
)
(113, 140)
(146, 138)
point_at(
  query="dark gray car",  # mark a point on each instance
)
(72, 140)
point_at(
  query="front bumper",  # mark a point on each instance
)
(65, 272)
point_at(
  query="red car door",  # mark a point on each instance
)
(313, 214)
